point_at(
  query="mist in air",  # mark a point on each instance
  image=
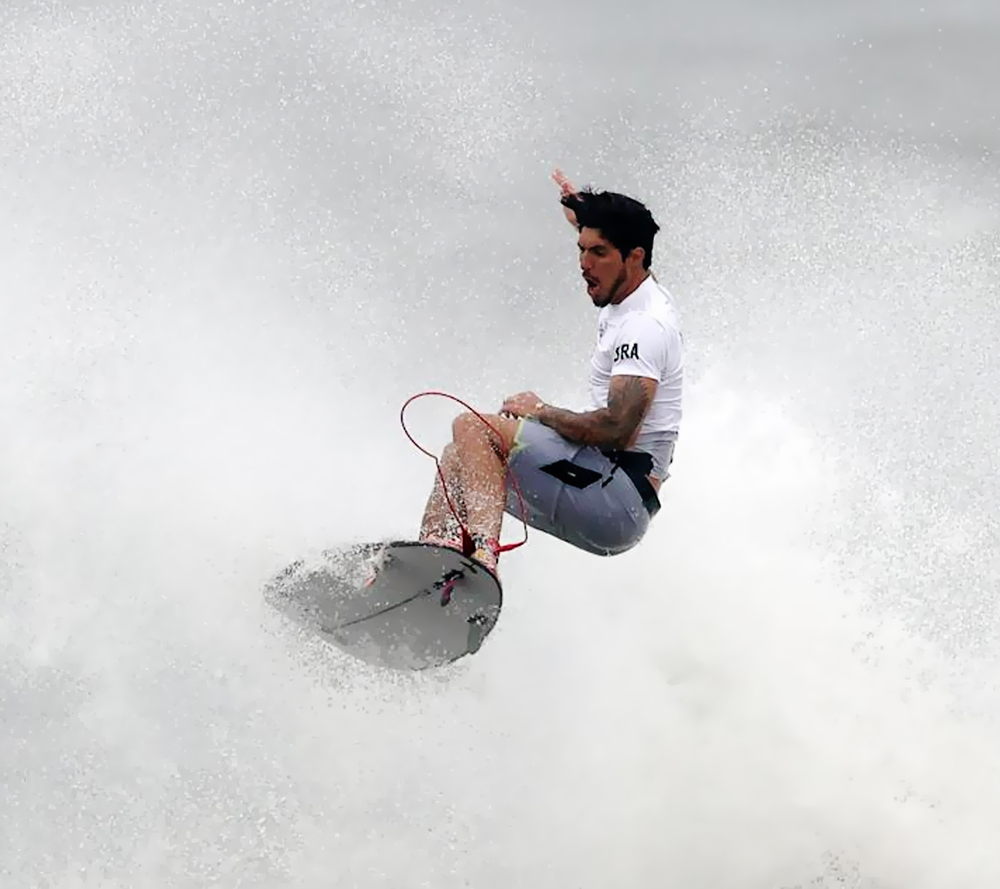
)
(237, 236)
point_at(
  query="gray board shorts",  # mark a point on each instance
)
(578, 493)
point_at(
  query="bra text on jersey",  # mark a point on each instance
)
(626, 350)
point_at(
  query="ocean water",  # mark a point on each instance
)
(238, 235)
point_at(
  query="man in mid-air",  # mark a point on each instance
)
(589, 478)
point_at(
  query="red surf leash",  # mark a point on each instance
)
(467, 543)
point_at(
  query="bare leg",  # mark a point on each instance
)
(481, 470)
(438, 521)
(473, 470)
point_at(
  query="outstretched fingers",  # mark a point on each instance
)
(565, 186)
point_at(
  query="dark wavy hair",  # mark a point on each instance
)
(622, 220)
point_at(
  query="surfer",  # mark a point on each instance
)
(590, 478)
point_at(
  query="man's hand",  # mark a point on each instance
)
(566, 189)
(524, 404)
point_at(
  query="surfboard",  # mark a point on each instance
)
(405, 605)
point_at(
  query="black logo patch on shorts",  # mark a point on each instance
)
(571, 474)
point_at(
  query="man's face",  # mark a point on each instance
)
(602, 266)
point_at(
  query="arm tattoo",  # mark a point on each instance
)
(628, 401)
(611, 427)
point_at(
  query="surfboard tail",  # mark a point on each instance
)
(405, 605)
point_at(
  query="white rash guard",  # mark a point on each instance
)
(641, 336)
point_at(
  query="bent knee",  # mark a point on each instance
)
(469, 425)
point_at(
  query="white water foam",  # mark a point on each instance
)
(189, 403)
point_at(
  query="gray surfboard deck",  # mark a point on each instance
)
(405, 605)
